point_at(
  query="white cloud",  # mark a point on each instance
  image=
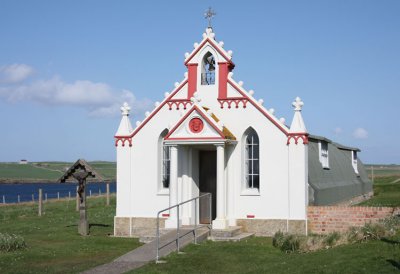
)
(360, 133)
(337, 130)
(99, 99)
(15, 73)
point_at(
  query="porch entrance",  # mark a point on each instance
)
(208, 184)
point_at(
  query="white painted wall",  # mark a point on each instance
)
(283, 168)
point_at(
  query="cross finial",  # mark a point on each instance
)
(209, 14)
(297, 104)
(125, 109)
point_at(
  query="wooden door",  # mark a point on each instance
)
(208, 184)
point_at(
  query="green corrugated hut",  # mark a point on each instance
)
(335, 174)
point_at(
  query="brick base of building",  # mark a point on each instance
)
(320, 220)
(327, 219)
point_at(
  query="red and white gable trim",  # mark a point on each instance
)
(216, 46)
(196, 125)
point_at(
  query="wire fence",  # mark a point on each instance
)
(31, 193)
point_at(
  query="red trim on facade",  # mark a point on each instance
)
(223, 80)
(250, 216)
(154, 112)
(178, 103)
(297, 136)
(185, 117)
(196, 139)
(165, 215)
(123, 139)
(228, 59)
(259, 108)
(231, 100)
(192, 80)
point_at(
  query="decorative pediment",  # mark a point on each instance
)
(198, 125)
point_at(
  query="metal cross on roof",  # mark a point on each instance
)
(209, 14)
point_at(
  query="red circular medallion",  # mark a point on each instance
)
(196, 125)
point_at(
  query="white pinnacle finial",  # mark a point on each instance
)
(125, 109)
(297, 104)
(195, 99)
(297, 122)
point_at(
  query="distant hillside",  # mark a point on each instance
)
(383, 170)
(48, 171)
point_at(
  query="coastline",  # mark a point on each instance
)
(37, 181)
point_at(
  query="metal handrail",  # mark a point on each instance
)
(177, 229)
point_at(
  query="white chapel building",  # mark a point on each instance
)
(210, 135)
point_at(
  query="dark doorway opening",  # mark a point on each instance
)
(208, 184)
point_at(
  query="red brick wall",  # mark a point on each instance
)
(326, 219)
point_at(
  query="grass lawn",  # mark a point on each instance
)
(54, 245)
(50, 170)
(28, 171)
(257, 255)
(386, 192)
(383, 170)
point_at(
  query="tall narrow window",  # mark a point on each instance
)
(252, 160)
(208, 70)
(166, 166)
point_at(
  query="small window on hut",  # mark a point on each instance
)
(324, 154)
(354, 161)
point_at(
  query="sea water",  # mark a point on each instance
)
(53, 190)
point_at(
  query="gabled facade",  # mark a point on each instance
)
(211, 135)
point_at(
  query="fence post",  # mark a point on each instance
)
(90, 193)
(19, 200)
(45, 197)
(33, 197)
(4, 199)
(99, 192)
(69, 195)
(40, 202)
(77, 199)
(108, 194)
(58, 195)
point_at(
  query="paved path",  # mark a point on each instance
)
(147, 253)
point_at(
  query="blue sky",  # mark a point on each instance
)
(67, 66)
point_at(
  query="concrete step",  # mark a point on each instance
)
(237, 238)
(229, 232)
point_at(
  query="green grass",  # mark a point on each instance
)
(17, 171)
(53, 243)
(383, 170)
(54, 246)
(36, 171)
(386, 192)
(257, 255)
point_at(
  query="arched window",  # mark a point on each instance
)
(164, 158)
(252, 159)
(208, 69)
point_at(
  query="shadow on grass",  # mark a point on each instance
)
(91, 225)
(389, 241)
(394, 263)
(98, 225)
